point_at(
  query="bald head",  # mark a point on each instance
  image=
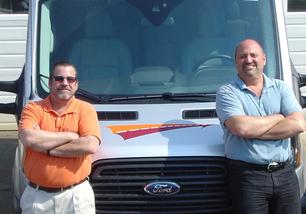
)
(248, 42)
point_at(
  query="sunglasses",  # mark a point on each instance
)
(61, 79)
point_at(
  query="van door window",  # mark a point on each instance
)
(296, 6)
(14, 6)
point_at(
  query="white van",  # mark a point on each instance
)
(151, 69)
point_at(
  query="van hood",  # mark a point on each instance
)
(162, 135)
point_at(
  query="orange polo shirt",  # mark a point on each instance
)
(44, 170)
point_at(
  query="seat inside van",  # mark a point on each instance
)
(207, 42)
(104, 61)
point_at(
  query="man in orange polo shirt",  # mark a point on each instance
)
(59, 134)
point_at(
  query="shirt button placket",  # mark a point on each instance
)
(58, 124)
(261, 106)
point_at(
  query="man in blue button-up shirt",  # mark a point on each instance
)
(258, 116)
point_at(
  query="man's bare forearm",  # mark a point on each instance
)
(41, 140)
(252, 126)
(79, 147)
(288, 127)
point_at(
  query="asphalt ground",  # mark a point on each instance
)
(8, 143)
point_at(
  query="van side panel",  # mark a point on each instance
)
(13, 32)
(296, 33)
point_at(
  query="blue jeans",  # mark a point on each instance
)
(255, 191)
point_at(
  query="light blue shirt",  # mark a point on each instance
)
(235, 99)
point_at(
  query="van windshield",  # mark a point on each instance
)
(134, 48)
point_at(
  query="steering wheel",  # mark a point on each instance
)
(209, 62)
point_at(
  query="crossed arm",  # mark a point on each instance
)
(271, 127)
(60, 144)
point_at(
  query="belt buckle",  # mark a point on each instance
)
(273, 166)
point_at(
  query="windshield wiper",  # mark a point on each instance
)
(89, 96)
(189, 95)
(198, 97)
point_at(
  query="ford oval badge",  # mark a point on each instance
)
(162, 188)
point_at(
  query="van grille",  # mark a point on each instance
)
(119, 185)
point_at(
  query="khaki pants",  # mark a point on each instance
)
(77, 200)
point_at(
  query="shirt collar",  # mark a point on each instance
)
(267, 82)
(47, 106)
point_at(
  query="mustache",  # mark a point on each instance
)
(63, 88)
(249, 63)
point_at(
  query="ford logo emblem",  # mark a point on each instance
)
(162, 188)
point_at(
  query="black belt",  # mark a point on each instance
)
(55, 189)
(271, 167)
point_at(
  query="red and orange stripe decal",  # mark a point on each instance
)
(131, 131)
